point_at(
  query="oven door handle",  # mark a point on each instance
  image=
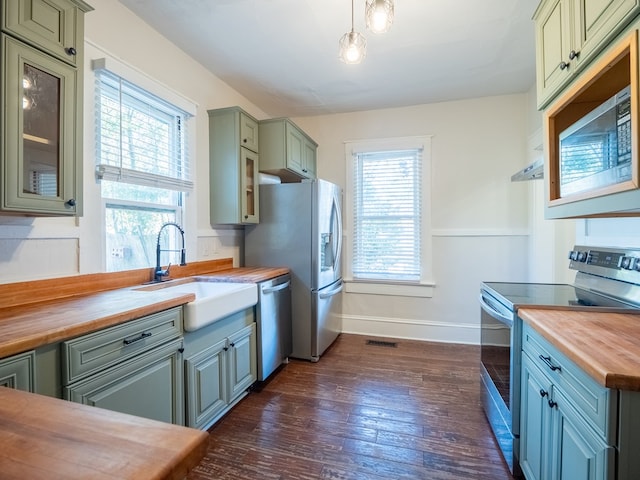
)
(493, 312)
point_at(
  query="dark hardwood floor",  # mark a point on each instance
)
(365, 412)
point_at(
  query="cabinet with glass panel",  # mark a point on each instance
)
(233, 167)
(41, 123)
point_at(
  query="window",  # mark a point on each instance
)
(388, 216)
(143, 166)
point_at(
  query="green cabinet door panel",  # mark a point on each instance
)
(243, 362)
(249, 136)
(34, 161)
(55, 26)
(535, 421)
(150, 385)
(18, 371)
(553, 44)
(579, 452)
(206, 384)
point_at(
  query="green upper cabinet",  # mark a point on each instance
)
(55, 26)
(286, 151)
(233, 167)
(569, 34)
(41, 124)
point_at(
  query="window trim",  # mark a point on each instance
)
(423, 287)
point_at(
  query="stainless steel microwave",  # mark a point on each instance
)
(595, 151)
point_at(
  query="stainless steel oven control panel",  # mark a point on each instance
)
(619, 264)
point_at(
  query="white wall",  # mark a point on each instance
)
(479, 218)
(32, 248)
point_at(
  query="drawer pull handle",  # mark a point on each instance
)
(552, 404)
(142, 336)
(543, 393)
(547, 361)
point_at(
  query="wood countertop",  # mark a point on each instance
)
(27, 326)
(605, 345)
(248, 274)
(43, 437)
(31, 326)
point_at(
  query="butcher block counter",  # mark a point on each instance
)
(46, 438)
(48, 311)
(605, 345)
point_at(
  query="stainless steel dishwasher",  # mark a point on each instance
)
(273, 322)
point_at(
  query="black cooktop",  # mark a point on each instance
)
(516, 295)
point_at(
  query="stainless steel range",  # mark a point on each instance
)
(607, 280)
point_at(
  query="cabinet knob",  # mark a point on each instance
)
(564, 65)
(244, 140)
(573, 54)
(71, 51)
(71, 202)
(543, 393)
(232, 344)
(552, 404)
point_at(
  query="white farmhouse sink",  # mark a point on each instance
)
(214, 300)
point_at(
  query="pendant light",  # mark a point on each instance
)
(379, 15)
(353, 45)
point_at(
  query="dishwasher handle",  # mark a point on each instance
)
(277, 288)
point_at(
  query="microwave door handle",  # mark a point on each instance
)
(493, 312)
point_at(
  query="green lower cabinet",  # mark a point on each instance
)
(150, 385)
(206, 385)
(220, 365)
(535, 422)
(243, 363)
(578, 453)
(18, 371)
(556, 442)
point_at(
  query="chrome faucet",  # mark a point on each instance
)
(159, 273)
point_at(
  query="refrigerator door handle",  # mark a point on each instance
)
(338, 252)
(277, 288)
(333, 292)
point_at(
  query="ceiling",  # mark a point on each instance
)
(283, 54)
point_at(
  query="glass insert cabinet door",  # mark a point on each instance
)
(39, 132)
(249, 187)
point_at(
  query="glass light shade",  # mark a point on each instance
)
(353, 47)
(379, 15)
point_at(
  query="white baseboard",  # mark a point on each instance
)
(412, 329)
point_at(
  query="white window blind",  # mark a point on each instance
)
(140, 138)
(387, 215)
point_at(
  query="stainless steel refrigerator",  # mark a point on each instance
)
(301, 228)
